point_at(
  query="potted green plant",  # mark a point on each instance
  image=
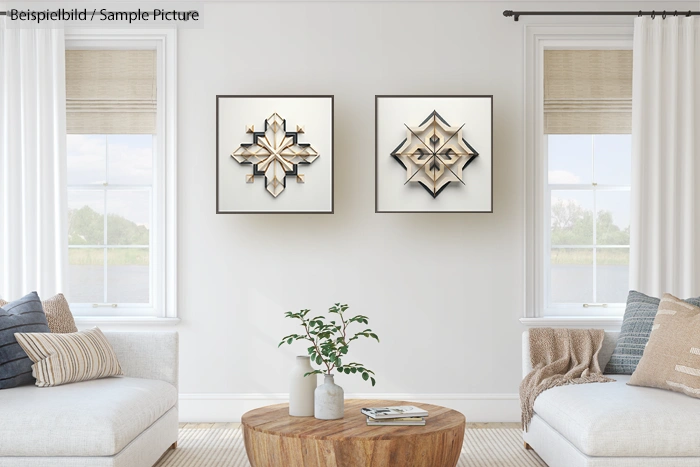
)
(330, 341)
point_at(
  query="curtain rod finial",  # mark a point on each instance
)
(508, 13)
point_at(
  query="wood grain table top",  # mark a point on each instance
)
(275, 419)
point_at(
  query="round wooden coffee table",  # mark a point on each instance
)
(274, 439)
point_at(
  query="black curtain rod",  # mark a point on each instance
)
(517, 14)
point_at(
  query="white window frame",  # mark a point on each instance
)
(539, 38)
(163, 308)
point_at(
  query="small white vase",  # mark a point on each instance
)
(330, 400)
(301, 389)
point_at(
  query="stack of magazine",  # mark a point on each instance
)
(402, 415)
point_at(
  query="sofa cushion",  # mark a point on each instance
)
(672, 356)
(23, 315)
(58, 313)
(69, 357)
(634, 335)
(614, 419)
(90, 418)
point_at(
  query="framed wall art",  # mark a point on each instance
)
(274, 154)
(433, 154)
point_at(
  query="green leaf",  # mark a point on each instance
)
(319, 360)
(354, 370)
(346, 370)
(373, 381)
(289, 341)
(365, 376)
(337, 361)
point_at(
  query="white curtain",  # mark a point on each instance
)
(665, 222)
(33, 205)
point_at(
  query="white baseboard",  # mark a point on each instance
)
(229, 407)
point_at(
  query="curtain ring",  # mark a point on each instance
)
(675, 13)
(640, 14)
(664, 15)
(653, 14)
(688, 15)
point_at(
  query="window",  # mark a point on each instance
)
(120, 174)
(587, 148)
(578, 173)
(110, 219)
(588, 193)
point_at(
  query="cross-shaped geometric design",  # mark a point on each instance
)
(434, 154)
(275, 153)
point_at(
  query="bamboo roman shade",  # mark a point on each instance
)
(587, 91)
(111, 91)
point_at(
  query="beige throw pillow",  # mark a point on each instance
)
(68, 358)
(57, 312)
(671, 359)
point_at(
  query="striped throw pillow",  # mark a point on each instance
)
(671, 359)
(58, 313)
(23, 315)
(69, 358)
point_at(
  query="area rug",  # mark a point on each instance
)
(219, 447)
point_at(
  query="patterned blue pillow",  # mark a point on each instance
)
(23, 315)
(634, 335)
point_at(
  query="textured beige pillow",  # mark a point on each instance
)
(57, 312)
(671, 359)
(68, 358)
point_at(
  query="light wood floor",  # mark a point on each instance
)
(204, 426)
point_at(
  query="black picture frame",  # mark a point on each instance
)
(276, 96)
(376, 150)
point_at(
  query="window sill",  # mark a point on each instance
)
(609, 323)
(85, 321)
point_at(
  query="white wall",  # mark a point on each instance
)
(443, 291)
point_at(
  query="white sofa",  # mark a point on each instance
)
(127, 421)
(613, 424)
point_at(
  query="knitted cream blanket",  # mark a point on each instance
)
(560, 357)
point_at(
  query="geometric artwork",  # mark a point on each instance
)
(275, 154)
(434, 154)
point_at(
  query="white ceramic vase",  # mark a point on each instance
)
(329, 400)
(301, 389)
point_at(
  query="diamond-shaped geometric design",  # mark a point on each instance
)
(275, 153)
(434, 154)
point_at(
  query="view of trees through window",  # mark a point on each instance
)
(109, 218)
(589, 206)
